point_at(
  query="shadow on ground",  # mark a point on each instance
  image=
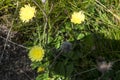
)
(83, 57)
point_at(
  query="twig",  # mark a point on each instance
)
(56, 58)
(116, 61)
(26, 74)
(46, 19)
(94, 69)
(84, 72)
(108, 10)
(40, 9)
(14, 43)
(88, 53)
(51, 8)
(6, 40)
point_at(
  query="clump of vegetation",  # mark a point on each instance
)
(67, 40)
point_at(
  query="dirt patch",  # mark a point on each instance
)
(14, 64)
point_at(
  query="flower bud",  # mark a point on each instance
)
(66, 47)
(103, 66)
(43, 1)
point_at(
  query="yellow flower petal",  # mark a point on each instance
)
(40, 69)
(77, 17)
(27, 13)
(36, 53)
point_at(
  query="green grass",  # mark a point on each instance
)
(98, 35)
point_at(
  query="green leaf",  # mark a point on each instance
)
(80, 36)
(43, 77)
(68, 26)
(35, 64)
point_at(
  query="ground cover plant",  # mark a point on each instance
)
(60, 39)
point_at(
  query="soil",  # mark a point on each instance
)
(14, 64)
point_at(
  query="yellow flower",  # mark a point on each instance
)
(36, 53)
(77, 17)
(27, 12)
(40, 69)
